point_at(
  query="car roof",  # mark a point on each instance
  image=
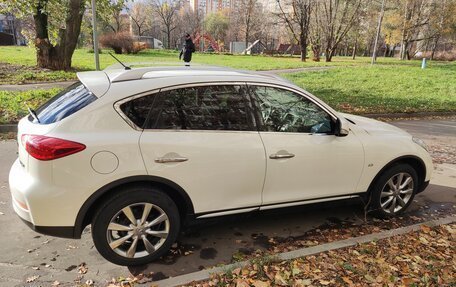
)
(98, 82)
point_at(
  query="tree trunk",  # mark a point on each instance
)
(57, 57)
(434, 47)
(168, 35)
(316, 52)
(355, 48)
(329, 54)
(303, 45)
(247, 32)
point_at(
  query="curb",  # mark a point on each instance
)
(8, 128)
(205, 274)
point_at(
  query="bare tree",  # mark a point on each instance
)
(338, 17)
(297, 19)
(247, 15)
(315, 33)
(166, 12)
(139, 16)
(416, 15)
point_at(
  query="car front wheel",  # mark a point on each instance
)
(136, 226)
(394, 190)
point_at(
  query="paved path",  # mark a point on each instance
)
(205, 244)
(27, 87)
(296, 70)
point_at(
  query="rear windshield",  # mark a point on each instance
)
(64, 104)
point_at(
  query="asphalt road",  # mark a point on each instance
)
(24, 253)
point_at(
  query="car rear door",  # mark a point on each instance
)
(305, 159)
(204, 138)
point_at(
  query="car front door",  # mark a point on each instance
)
(204, 138)
(305, 159)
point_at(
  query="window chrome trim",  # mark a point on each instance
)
(202, 84)
(127, 99)
(215, 83)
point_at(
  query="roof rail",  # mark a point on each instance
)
(138, 73)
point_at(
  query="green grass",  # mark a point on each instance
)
(84, 61)
(13, 105)
(384, 89)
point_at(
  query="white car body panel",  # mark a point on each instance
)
(227, 168)
(318, 169)
(384, 143)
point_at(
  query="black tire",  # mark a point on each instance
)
(378, 206)
(135, 198)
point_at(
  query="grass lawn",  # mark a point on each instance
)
(22, 60)
(383, 88)
(13, 105)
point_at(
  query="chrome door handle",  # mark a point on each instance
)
(281, 155)
(170, 159)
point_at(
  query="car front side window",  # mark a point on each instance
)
(285, 111)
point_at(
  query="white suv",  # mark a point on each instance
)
(136, 153)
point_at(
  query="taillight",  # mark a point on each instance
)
(49, 148)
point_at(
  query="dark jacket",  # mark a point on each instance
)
(187, 51)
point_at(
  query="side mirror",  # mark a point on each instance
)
(343, 127)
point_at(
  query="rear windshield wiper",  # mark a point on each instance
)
(33, 114)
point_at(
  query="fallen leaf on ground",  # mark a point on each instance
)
(32, 278)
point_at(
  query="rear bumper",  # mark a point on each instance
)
(58, 231)
(30, 201)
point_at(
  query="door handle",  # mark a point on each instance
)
(170, 159)
(281, 155)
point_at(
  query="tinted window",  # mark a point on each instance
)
(223, 107)
(64, 104)
(284, 111)
(138, 109)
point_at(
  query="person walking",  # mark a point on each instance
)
(187, 50)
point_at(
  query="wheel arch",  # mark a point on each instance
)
(414, 161)
(90, 206)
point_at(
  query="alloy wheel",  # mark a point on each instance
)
(138, 230)
(396, 193)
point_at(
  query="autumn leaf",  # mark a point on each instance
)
(32, 278)
(279, 280)
(259, 283)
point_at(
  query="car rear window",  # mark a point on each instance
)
(64, 104)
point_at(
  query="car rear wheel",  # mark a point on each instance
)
(136, 226)
(394, 190)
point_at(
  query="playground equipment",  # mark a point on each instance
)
(213, 43)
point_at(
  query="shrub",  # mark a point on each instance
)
(121, 43)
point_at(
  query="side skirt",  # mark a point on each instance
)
(273, 206)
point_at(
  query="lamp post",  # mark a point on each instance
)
(95, 36)
(379, 26)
